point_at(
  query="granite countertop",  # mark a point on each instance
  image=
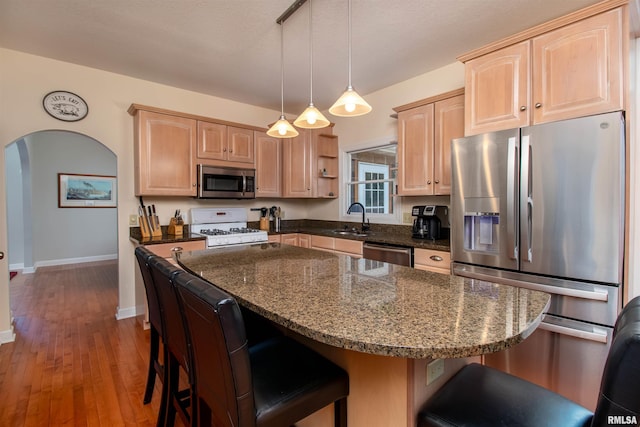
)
(380, 233)
(379, 308)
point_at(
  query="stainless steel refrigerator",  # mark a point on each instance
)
(542, 207)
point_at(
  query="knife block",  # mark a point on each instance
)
(145, 231)
(175, 227)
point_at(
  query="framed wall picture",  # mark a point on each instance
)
(86, 191)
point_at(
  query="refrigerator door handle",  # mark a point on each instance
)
(596, 335)
(526, 192)
(475, 273)
(512, 198)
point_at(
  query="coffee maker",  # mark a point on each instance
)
(428, 223)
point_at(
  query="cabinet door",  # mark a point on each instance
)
(296, 166)
(449, 124)
(268, 166)
(240, 145)
(497, 90)
(304, 240)
(212, 141)
(289, 239)
(415, 151)
(164, 155)
(577, 69)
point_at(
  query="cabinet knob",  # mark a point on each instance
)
(1, 255)
(429, 182)
(437, 181)
(435, 258)
(538, 105)
(224, 150)
(523, 108)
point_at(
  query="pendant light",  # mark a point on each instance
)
(311, 118)
(350, 104)
(282, 128)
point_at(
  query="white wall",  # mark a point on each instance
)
(15, 215)
(68, 235)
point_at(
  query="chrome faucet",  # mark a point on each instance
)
(365, 226)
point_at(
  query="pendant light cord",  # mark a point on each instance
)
(282, 69)
(310, 55)
(349, 43)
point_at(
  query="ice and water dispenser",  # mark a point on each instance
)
(482, 226)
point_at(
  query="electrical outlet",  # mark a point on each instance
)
(406, 218)
(435, 370)
(133, 219)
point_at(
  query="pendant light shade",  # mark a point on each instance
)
(350, 104)
(282, 128)
(311, 117)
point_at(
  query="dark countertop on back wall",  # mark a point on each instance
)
(379, 233)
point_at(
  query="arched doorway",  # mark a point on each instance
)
(40, 233)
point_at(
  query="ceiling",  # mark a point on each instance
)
(231, 48)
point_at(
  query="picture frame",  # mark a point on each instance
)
(86, 191)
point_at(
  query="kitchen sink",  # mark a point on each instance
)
(351, 233)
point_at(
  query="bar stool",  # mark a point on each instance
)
(143, 255)
(274, 383)
(482, 396)
(176, 343)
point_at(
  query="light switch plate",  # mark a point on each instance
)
(133, 219)
(406, 218)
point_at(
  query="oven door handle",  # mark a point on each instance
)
(594, 295)
(596, 336)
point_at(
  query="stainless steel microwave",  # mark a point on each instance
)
(216, 182)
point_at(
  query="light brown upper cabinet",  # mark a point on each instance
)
(169, 145)
(268, 165)
(555, 71)
(310, 164)
(225, 143)
(296, 165)
(164, 154)
(425, 131)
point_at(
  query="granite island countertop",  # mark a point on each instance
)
(371, 307)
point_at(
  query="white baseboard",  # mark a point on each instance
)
(16, 266)
(125, 313)
(64, 261)
(28, 270)
(7, 336)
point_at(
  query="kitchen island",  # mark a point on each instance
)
(381, 322)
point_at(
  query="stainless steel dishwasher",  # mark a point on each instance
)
(394, 254)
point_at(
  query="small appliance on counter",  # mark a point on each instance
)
(431, 222)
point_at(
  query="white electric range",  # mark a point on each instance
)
(225, 227)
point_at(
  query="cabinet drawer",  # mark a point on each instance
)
(322, 242)
(429, 258)
(351, 247)
(274, 238)
(164, 249)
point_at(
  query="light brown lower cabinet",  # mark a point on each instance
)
(342, 246)
(275, 238)
(296, 239)
(430, 260)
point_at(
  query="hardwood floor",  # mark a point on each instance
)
(72, 362)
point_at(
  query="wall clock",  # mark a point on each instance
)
(65, 106)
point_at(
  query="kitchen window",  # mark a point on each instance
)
(372, 174)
